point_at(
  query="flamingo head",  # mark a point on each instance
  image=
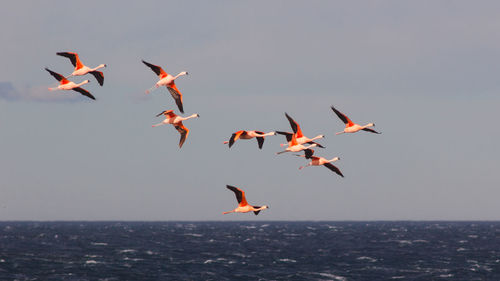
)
(184, 73)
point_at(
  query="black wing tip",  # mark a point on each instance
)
(260, 142)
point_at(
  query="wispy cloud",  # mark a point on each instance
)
(37, 94)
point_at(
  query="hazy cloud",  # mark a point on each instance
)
(38, 94)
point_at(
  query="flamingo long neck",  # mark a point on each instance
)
(179, 75)
(368, 125)
(268, 134)
(317, 137)
(83, 83)
(98, 67)
(192, 116)
(334, 159)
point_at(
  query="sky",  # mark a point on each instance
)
(425, 72)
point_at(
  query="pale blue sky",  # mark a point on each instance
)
(425, 72)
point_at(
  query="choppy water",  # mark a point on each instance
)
(250, 251)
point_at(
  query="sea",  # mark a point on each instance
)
(274, 250)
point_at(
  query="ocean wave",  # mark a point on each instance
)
(287, 260)
(370, 259)
(193, 234)
(332, 276)
(127, 251)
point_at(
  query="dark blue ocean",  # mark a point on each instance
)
(250, 251)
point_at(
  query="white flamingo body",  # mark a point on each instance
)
(351, 127)
(81, 69)
(176, 121)
(317, 161)
(320, 161)
(305, 139)
(69, 86)
(294, 146)
(356, 128)
(299, 136)
(243, 206)
(297, 148)
(65, 84)
(85, 69)
(246, 135)
(168, 81)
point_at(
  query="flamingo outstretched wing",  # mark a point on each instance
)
(240, 194)
(99, 76)
(84, 92)
(56, 75)
(333, 168)
(235, 137)
(343, 117)
(176, 94)
(371, 131)
(183, 131)
(73, 57)
(156, 69)
(295, 126)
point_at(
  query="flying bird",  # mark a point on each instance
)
(243, 206)
(168, 81)
(301, 139)
(317, 161)
(81, 69)
(176, 121)
(294, 146)
(65, 84)
(351, 127)
(246, 135)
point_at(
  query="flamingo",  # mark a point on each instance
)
(176, 121)
(243, 206)
(317, 161)
(301, 139)
(351, 127)
(246, 135)
(294, 146)
(65, 84)
(81, 69)
(168, 81)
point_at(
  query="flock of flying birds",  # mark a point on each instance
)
(296, 141)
